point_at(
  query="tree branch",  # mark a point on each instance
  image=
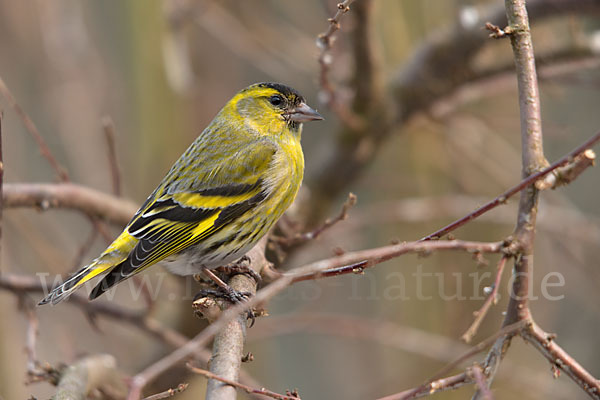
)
(234, 384)
(86, 374)
(560, 359)
(228, 345)
(436, 69)
(89, 201)
(524, 185)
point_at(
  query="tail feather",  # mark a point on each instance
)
(111, 279)
(63, 291)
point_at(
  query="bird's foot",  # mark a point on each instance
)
(241, 266)
(231, 295)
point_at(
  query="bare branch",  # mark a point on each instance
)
(91, 202)
(35, 133)
(443, 64)
(356, 262)
(524, 184)
(560, 359)
(300, 238)
(228, 345)
(491, 299)
(568, 173)
(324, 42)
(436, 383)
(115, 172)
(1, 175)
(87, 374)
(238, 385)
(533, 161)
(168, 393)
(480, 380)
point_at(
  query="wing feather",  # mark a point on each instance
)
(170, 222)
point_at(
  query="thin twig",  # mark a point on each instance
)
(441, 64)
(525, 183)
(491, 299)
(247, 389)
(560, 359)
(32, 335)
(568, 173)
(108, 127)
(324, 42)
(35, 133)
(356, 262)
(168, 393)
(437, 383)
(299, 238)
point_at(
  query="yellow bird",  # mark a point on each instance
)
(222, 195)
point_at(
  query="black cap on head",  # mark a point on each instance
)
(288, 92)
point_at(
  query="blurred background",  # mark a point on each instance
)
(162, 69)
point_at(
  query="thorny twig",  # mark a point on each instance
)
(491, 299)
(246, 388)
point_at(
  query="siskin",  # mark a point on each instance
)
(222, 195)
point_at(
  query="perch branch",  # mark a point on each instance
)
(228, 345)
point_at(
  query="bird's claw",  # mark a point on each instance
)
(241, 266)
(228, 294)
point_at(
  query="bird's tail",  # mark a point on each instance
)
(80, 277)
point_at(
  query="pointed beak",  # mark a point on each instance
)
(303, 113)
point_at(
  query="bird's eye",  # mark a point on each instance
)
(276, 100)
